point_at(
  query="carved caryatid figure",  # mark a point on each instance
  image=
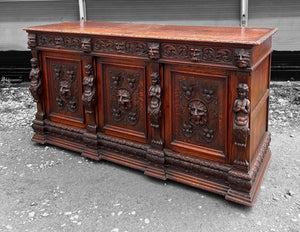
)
(35, 77)
(242, 58)
(197, 113)
(154, 108)
(88, 96)
(241, 108)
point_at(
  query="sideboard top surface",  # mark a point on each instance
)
(237, 35)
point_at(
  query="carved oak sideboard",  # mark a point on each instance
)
(184, 103)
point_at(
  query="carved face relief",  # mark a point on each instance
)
(242, 58)
(195, 54)
(34, 63)
(86, 45)
(58, 41)
(197, 113)
(124, 99)
(31, 41)
(153, 51)
(65, 89)
(242, 90)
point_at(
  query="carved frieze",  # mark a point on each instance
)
(89, 94)
(35, 77)
(123, 90)
(154, 93)
(117, 46)
(197, 53)
(65, 42)
(65, 87)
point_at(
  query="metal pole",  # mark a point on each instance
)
(244, 13)
(82, 10)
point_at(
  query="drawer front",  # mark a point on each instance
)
(123, 100)
(196, 112)
(64, 92)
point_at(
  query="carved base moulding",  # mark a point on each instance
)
(191, 108)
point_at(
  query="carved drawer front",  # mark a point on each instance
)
(124, 101)
(64, 90)
(196, 113)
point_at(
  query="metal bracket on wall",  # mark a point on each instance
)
(244, 13)
(82, 10)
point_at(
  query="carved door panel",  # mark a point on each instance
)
(64, 89)
(123, 99)
(196, 106)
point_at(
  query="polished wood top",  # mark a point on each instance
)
(237, 35)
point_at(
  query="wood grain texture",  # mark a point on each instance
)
(181, 108)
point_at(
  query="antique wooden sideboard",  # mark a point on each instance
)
(184, 103)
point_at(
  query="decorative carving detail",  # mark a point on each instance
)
(126, 47)
(86, 45)
(197, 113)
(195, 117)
(65, 85)
(59, 42)
(197, 53)
(35, 77)
(242, 58)
(71, 43)
(124, 99)
(154, 108)
(31, 42)
(89, 94)
(45, 40)
(241, 108)
(153, 51)
(122, 102)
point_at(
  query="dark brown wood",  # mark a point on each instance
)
(188, 104)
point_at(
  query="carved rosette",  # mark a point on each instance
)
(242, 58)
(153, 51)
(89, 94)
(154, 107)
(35, 77)
(124, 87)
(241, 109)
(31, 41)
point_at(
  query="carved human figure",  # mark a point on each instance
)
(57, 72)
(31, 42)
(70, 74)
(88, 96)
(86, 45)
(155, 99)
(153, 51)
(35, 77)
(241, 108)
(197, 113)
(124, 99)
(242, 58)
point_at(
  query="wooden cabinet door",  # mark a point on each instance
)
(122, 98)
(196, 111)
(64, 88)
